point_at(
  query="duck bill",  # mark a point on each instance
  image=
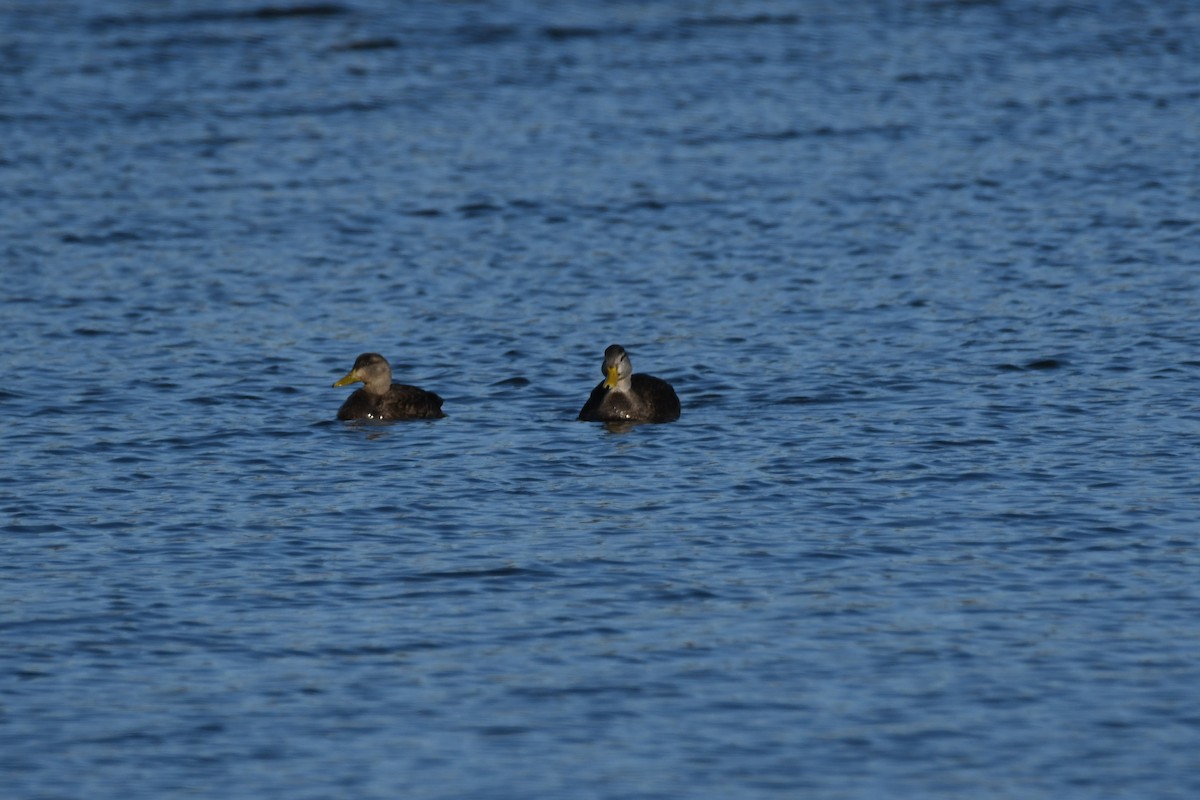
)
(611, 380)
(350, 378)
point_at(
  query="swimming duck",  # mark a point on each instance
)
(379, 398)
(623, 396)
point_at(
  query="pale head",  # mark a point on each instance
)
(372, 370)
(616, 368)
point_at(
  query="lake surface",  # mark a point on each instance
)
(925, 275)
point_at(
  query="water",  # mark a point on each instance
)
(924, 275)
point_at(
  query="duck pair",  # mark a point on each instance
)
(621, 397)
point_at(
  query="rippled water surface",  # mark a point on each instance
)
(924, 275)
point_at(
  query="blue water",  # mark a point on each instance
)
(925, 276)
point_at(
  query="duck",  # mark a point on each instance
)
(627, 397)
(379, 398)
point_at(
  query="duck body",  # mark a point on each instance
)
(398, 402)
(627, 397)
(381, 399)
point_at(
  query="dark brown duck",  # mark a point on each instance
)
(625, 397)
(379, 398)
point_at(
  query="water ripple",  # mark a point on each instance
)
(923, 279)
